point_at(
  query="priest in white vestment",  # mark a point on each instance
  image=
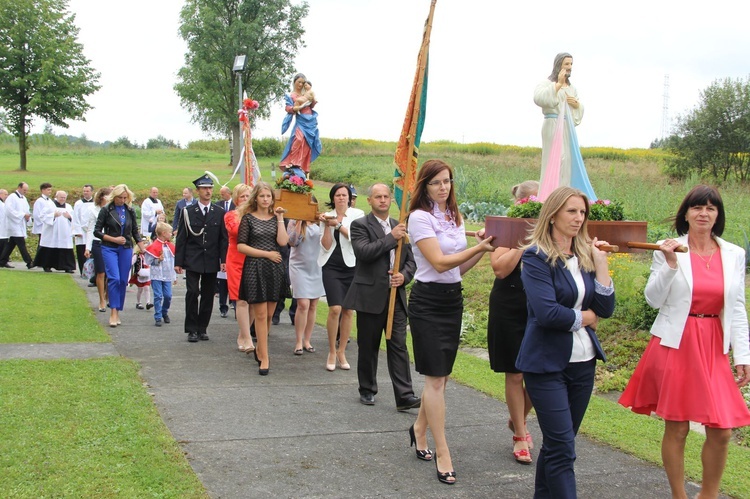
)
(56, 242)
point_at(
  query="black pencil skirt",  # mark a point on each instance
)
(435, 312)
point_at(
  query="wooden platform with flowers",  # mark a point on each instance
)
(298, 205)
(510, 232)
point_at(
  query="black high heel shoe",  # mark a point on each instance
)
(424, 455)
(263, 372)
(445, 477)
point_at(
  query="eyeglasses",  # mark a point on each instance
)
(438, 183)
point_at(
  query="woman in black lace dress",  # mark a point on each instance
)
(261, 235)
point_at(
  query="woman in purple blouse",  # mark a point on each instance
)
(436, 303)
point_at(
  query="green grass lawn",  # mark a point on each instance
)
(38, 307)
(85, 429)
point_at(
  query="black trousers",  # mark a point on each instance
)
(80, 256)
(15, 242)
(221, 288)
(370, 328)
(199, 301)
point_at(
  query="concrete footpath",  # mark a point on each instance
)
(301, 431)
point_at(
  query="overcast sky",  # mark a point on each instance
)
(486, 58)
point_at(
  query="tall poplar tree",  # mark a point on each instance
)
(43, 72)
(268, 32)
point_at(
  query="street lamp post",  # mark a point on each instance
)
(240, 61)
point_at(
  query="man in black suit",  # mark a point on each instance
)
(374, 239)
(201, 250)
(225, 199)
(187, 200)
(226, 204)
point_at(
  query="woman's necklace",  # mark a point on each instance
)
(707, 262)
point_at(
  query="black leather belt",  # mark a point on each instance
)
(702, 316)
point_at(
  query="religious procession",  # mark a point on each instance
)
(258, 244)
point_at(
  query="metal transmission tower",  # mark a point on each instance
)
(665, 110)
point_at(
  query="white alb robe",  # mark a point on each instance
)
(16, 208)
(148, 215)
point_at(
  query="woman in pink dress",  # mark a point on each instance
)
(304, 144)
(235, 262)
(685, 374)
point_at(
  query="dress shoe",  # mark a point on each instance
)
(193, 337)
(30, 266)
(203, 336)
(448, 478)
(424, 455)
(367, 399)
(166, 319)
(149, 306)
(410, 403)
(275, 320)
(7, 266)
(343, 365)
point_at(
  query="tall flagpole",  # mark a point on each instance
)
(407, 150)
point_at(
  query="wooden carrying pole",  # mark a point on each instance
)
(613, 248)
(415, 101)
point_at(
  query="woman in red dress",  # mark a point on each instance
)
(684, 374)
(235, 262)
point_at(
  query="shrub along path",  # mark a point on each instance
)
(301, 431)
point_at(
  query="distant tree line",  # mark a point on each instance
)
(265, 147)
(713, 140)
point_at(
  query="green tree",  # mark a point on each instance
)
(713, 140)
(268, 32)
(43, 71)
(124, 143)
(161, 142)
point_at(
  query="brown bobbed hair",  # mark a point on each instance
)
(100, 198)
(541, 235)
(420, 198)
(336, 187)
(700, 195)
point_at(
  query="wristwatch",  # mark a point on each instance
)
(338, 226)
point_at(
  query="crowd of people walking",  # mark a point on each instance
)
(544, 308)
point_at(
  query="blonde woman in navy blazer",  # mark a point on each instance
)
(684, 374)
(567, 283)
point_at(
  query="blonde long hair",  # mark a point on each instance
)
(118, 190)
(240, 209)
(541, 236)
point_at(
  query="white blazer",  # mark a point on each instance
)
(671, 290)
(346, 245)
